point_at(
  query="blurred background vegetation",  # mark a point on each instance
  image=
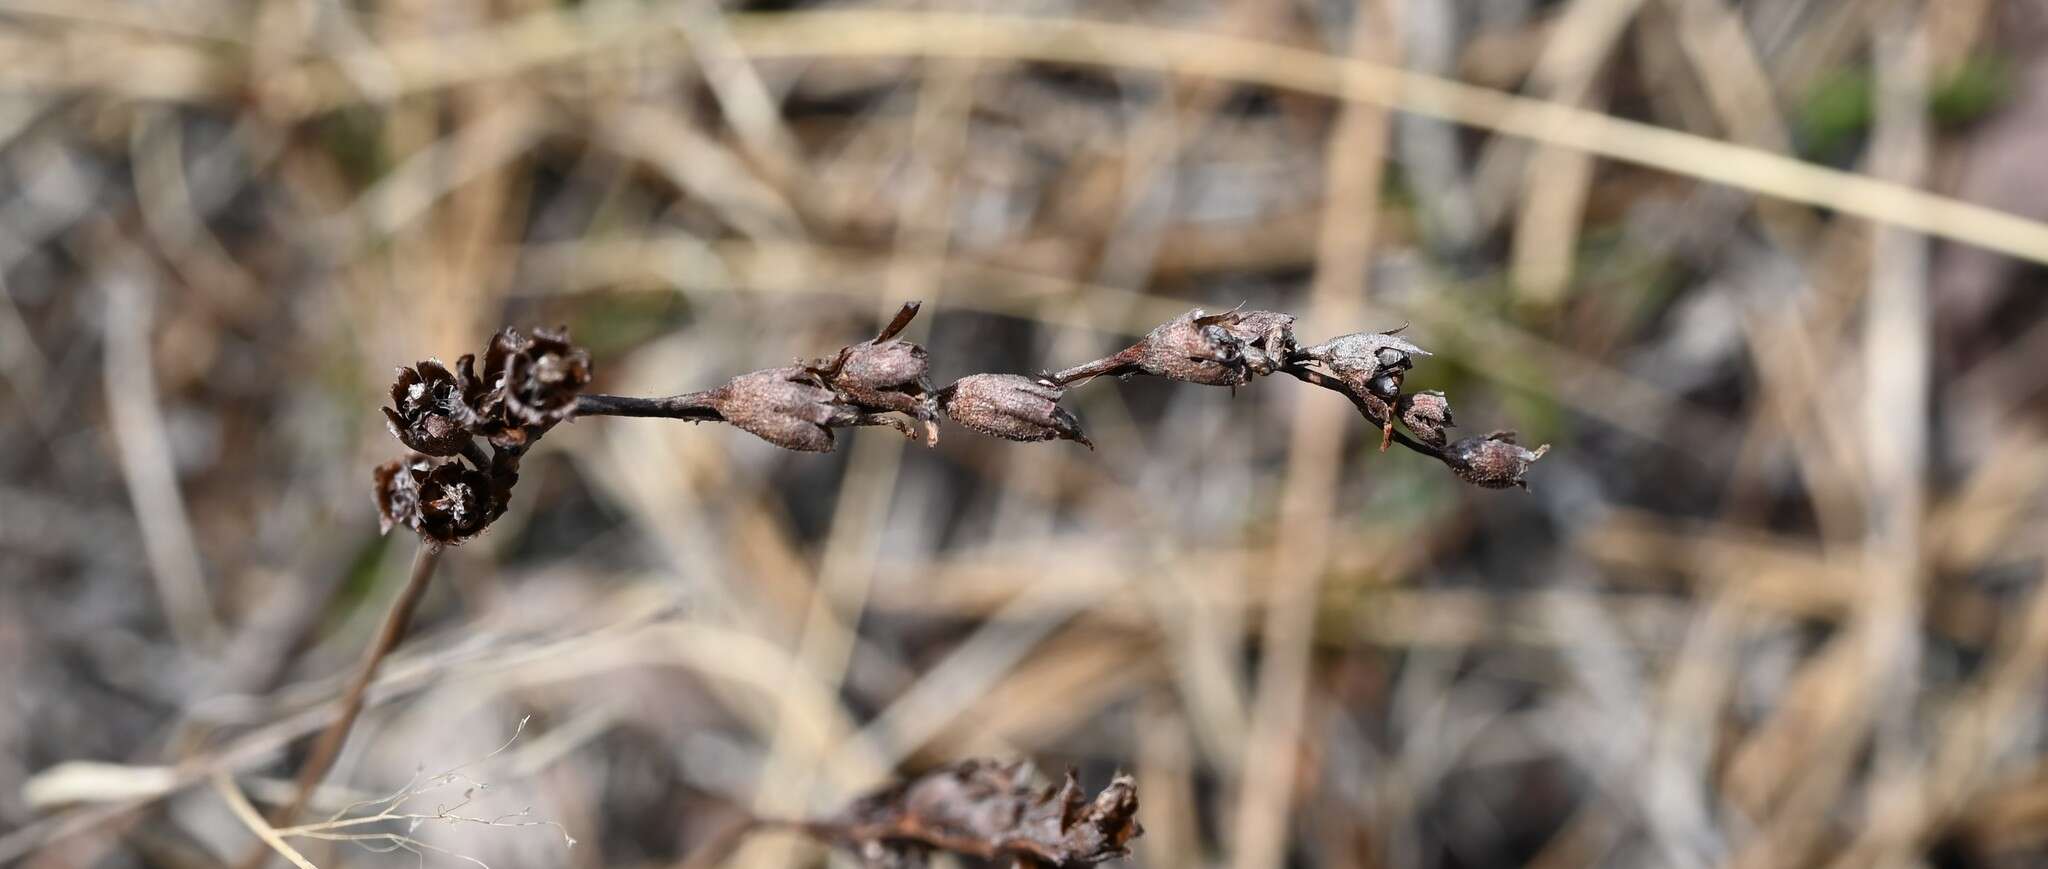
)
(1776, 599)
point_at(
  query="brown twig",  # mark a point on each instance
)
(1316, 378)
(692, 406)
(328, 746)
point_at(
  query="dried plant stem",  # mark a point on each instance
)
(246, 813)
(695, 406)
(1317, 378)
(328, 746)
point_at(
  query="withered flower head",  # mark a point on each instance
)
(542, 379)
(1264, 339)
(398, 491)
(1427, 414)
(789, 407)
(1368, 362)
(429, 413)
(1195, 347)
(884, 374)
(456, 502)
(1226, 349)
(1494, 461)
(1011, 406)
(991, 810)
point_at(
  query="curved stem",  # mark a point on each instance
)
(328, 747)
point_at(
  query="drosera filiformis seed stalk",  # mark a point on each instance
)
(466, 432)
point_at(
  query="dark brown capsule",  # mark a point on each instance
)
(1427, 414)
(398, 491)
(1011, 406)
(1226, 349)
(429, 413)
(885, 374)
(1494, 461)
(1264, 339)
(541, 380)
(791, 407)
(456, 503)
(1368, 362)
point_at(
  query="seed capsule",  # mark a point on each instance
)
(1494, 461)
(1011, 406)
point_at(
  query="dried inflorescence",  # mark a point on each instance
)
(1426, 414)
(1011, 406)
(884, 375)
(429, 413)
(1495, 461)
(990, 810)
(449, 489)
(1227, 349)
(791, 407)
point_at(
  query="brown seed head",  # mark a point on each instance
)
(1368, 362)
(1195, 347)
(1264, 340)
(1011, 406)
(456, 503)
(789, 407)
(1494, 461)
(1427, 414)
(541, 381)
(398, 491)
(429, 413)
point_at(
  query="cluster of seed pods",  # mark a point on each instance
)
(466, 431)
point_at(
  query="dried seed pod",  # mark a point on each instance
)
(1427, 414)
(1494, 461)
(1368, 362)
(541, 381)
(1264, 339)
(792, 408)
(1226, 349)
(885, 374)
(1011, 406)
(429, 413)
(456, 502)
(991, 810)
(398, 491)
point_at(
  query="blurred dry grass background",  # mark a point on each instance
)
(1767, 273)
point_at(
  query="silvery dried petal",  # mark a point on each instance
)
(398, 491)
(1011, 406)
(1494, 461)
(429, 413)
(1427, 414)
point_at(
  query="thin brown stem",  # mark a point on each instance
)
(328, 746)
(1117, 364)
(692, 406)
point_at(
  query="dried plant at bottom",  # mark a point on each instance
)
(978, 808)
